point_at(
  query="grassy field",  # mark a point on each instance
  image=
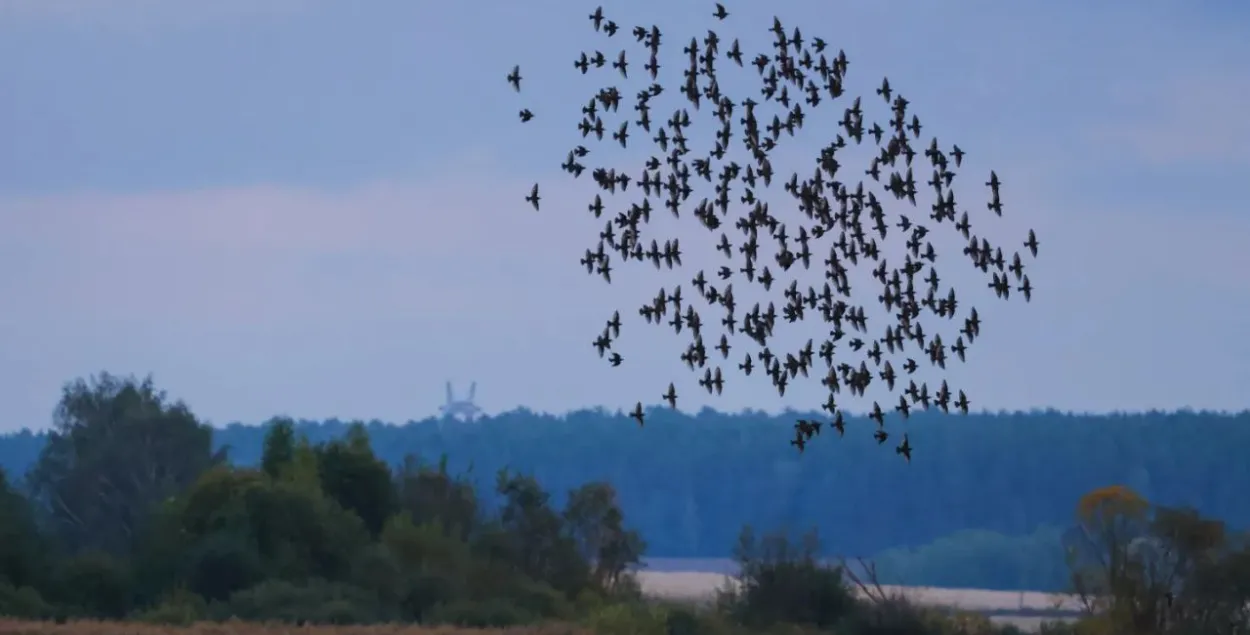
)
(1026, 609)
(13, 627)
(698, 586)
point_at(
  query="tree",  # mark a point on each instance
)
(783, 581)
(21, 546)
(428, 494)
(279, 447)
(595, 522)
(1149, 569)
(1185, 568)
(1109, 519)
(540, 547)
(117, 447)
(357, 480)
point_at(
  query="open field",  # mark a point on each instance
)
(699, 587)
(14, 627)
(1021, 608)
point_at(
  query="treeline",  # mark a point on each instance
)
(689, 482)
(130, 512)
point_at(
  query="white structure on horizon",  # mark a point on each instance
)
(462, 409)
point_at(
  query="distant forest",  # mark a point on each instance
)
(1006, 483)
(690, 482)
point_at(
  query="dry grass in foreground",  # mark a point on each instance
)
(16, 627)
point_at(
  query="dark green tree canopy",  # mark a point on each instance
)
(117, 447)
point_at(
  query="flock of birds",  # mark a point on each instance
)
(797, 75)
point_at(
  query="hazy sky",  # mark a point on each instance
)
(316, 208)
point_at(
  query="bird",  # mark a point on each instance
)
(671, 395)
(903, 448)
(1031, 243)
(621, 65)
(799, 442)
(722, 182)
(533, 197)
(638, 414)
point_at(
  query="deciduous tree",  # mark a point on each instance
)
(117, 447)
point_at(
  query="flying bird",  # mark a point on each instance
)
(533, 197)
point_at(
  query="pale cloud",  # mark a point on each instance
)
(290, 269)
(225, 253)
(270, 298)
(1187, 116)
(138, 14)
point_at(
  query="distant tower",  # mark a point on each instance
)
(462, 410)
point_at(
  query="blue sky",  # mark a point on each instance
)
(315, 208)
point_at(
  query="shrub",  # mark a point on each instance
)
(22, 602)
(222, 563)
(96, 584)
(628, 619)
(781, 582)
(682, 620)
(317, 602)
(179, 608)
(492, 613)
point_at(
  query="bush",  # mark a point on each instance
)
(492, 613)
(22, 602)
(682, 621)
(317, 602)
(781, 582)
(628, 619)
(540, 599)
(179, 608)
(222, 563)
(95, 584)
(888, 616)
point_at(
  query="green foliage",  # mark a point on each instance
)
(21, 546)
(680, 620)
(177, 608)
(144, 520)
(428, 566)
(681, 480)
(313, 600)
(491, 613)
(279, 450)
(595, 524)
(977, 559)
(221, 563)
(783, 581)
(117, 448)
(301, 533)
(1152, 569)
(23, 602)
(629, 619)
(356, 479)
(432, 495)
(681, 483)
(95, 583)
(537, 540)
